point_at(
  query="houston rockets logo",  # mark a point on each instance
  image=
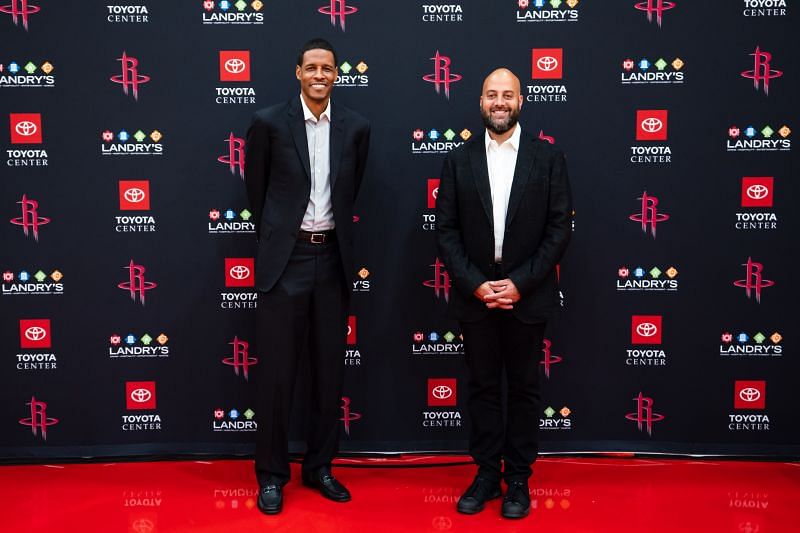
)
(761, 70)
(441, 77)
(655, 7)
(649, 216)
(30, 219)
(348, 415)
(130, 79)
(548, 359)
(19, 11)
(235, 156)
(338, 11)
(240, 358)
(440, 282)
(136, 283)
(754, 281)
(38, 421)
(644, 415)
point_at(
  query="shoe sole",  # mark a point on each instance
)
(515, 516)
(268, 510)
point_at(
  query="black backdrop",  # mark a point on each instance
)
(707, 393)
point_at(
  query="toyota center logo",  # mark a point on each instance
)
(757, 192)
(547, 63)
(646, 329)
(750, 394)
(442, 392)
(239, 272)
(140, 395)
(652, 125)
(235, 66)
(35, 333)
(26, 128)
(134, 195)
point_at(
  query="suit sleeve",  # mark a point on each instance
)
(362, 153)
(557, 232)
(449, 239)
(256, 168)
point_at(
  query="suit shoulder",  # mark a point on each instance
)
(551, 151)
(271, 113)
(460, 152)
(356, 118)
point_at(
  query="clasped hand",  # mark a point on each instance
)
(500, 294)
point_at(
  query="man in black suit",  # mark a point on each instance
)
(303, 169)
(503, 222)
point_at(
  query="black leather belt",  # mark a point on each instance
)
(316, 237)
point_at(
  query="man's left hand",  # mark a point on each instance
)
(505, 294)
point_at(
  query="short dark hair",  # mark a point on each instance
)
(316, 44)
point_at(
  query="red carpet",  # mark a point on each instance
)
(567, 495)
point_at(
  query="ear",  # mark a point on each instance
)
(521, 99)
(297, 72)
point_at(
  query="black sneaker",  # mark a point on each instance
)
(517, 503)
(481, 491)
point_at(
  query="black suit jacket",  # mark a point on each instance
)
(278, 179)
(538, 227)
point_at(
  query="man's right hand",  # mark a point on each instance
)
(486, 289)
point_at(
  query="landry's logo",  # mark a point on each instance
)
(362, 284)
(138, 143)
(754, 282)
(134, 195)
(348, 415)
(37, 283)
(352, 76)
(130, 79)
(646, 329)
(140, 395)
(658, 72)
(235, 422)
(38, 420)
(551, 421)
(548, 359)
(130, 345)
(442, 392)
(239, 272)
(136, 285)
(338, 10)
(435, 343)
(751, 139)
(235, 156)
(655, 9)
(440, 282)
(547, 10)
(438, 142)
(30, 219)
(441, 76)
(649, 216)
(640, 279)
(12, 75)
(240, 358)
(229, 221)
(744, 345)
(20, 10)
(644, 416)
(230, 12)
(762, 71)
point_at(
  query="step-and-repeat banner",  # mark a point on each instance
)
(127, 300)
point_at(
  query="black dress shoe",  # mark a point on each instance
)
(326, 484)
(517, 503)
(270, 498)
(481, 491)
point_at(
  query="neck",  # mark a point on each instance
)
(316, 107)
(500, 138)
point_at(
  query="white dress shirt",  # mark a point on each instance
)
(502, 161)
(319, 213)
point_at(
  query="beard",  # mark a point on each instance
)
(500, 126)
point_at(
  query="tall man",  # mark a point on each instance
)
(304, 165)
(503, 222)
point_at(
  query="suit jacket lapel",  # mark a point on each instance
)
(522, 171)
(298, 128)
(336, 142)
(480, 171)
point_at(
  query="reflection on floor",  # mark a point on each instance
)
(641, 495)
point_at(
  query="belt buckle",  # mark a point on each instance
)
(317, 238)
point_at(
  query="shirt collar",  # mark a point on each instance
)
(512, 141)
(308, 115)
